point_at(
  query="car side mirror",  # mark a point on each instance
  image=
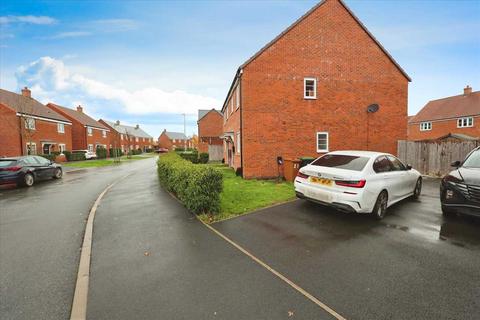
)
(409, 167)
(455, 164)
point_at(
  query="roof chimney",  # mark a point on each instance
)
(26, 92)
(137, 127)
(467, 90)
(117, 122)
(79, 108)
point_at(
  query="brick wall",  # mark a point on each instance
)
(9, 133)
(164, 141)
(231, 153)
(442, 128)
(352, 72)
(211, 125)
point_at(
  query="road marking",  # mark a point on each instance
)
(309, 296)
(80, 297)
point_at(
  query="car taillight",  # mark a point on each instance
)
(302, 175)
(351, 184)
(15, 168)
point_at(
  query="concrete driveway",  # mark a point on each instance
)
(412, 265)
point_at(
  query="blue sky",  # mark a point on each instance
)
(148, 62)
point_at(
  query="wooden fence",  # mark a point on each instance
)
(434, 158)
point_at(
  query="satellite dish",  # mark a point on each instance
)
(373, 108)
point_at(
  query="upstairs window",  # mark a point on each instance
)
(238, 96)
(465, 122)
(89, 131)
(310, 88)
(238, 142)
(322, 141)
(60, 128)
(104, 133)
(425, 126)
(121, 136)
(30, 123)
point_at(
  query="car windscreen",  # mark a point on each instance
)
(473, 161)
(6, 163)
(347, 162)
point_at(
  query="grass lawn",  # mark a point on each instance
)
(241, 196)
(106, 162)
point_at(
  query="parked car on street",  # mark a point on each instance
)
(358, 181)
(161, 150)
(460, 189)
(88, 154)
(28, 169)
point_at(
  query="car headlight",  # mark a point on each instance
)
(452, 179)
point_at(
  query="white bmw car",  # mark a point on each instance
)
(358, 181)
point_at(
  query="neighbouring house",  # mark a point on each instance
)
(452, 115)
(307, 92)
(87, 133)
(171, 140)
(128, 138)
(210, 130)
(29, 127)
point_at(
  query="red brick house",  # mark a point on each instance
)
(171, 140)
(452, 115)
(126, 137)
(87, 133)
(210, 128)
(307, 92)
(29, 127)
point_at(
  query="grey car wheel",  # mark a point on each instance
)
(57, 174)
(28, 180)
(418, 189)
(380, 209)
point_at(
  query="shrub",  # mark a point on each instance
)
(101, 152)
(198, 187)
(203, 157)
(112, 153)
(179, 149)
(190, 156)
(75, 156)
(67, 154)
(239, 172)
(148, 150)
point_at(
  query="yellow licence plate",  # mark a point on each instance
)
(322, 181)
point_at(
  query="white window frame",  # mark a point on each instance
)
(34, 147)
(90, 148)
(239, 145)
(327, 139)
(104, 133)
(62, 147)
(426, 126)
(30, 123)
(60, 127)
(465, 122)
(89, 131)
(314, 88)
(231, 104)
(121, 136)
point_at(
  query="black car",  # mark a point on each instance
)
(28, 169)
(460, 189)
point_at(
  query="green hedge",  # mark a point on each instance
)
(203, 157)
(198, 187)
(74, 156)
(101, 152)
(190, 156)
(112, 151)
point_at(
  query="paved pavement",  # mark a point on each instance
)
(152, 259)
(41, 230)
(412, 265)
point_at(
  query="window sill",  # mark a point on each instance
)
(310, 98)
(322, 151)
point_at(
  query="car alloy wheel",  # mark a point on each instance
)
(58, 173)
(380, 208)
(28, 179)
(418, 189)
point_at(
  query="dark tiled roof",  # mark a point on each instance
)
(450, 107)
(121, 128)
(203, 113)
(176, 135)
(80, 117)
(29, 106)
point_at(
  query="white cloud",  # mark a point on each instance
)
(114, 25)
(70, 34)
(49, 78)
(27, 19)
